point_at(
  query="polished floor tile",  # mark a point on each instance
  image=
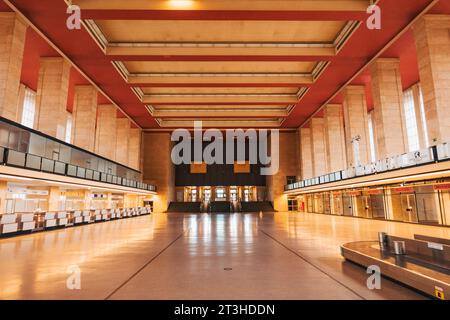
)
(185, 256)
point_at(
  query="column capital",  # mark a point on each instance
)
(439, 21)
(355, 89)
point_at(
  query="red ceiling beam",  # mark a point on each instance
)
(221, 58)
(218, 85)
(223, 15)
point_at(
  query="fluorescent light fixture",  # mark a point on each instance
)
(14, 177)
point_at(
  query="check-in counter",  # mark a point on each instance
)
(50, 220)
(105, 214)
(62, 218)
(77, 217)
(87, 216)
(8, 223)
(26, 221)
(39, 221)
(97, 215)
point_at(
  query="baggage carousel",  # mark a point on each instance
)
(422, 263)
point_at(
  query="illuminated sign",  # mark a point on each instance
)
(445, 186)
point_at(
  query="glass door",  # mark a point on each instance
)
(363, 205)
(409, 207)
(309, 203)
(327, 203)
(207, 195)
(233, 194)
(194, 195)
(220, 194)
(337, 205)
(377, 206)
(246, 195)
(427, 205)
(347, 205)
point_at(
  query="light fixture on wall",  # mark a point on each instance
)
(181, 4)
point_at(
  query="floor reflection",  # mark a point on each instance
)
(221, 234)
(190, 251)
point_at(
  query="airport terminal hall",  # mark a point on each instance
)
(224, 150)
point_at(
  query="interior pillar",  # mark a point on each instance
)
(356, 126)
(134, 148)
(431, 34)
(123, 138)
(106, 131)
(318, 146)
(306, 153)
(84, 117)
(12, 44)
(389, 117)
(51, 99)
(335, 137)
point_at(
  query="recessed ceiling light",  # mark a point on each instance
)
(181, 3)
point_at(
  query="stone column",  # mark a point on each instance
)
(51, 99)
(12, 43)
(306, 153)
(84, 117)
(356, 125)
(123, 138)
(432, 38)
(389, 117)
(106, 131)
(3, 192)
(134, 148)
(54, 194)
(287, 167)
(335, 137)
(318, 146)
(158, 168)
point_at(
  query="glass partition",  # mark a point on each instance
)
(31, 149)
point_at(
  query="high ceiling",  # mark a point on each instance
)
(253, 63)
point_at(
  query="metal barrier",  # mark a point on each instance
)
(433, 154)
(26, 148)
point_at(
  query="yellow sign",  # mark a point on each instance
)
(198, 168)
(439, 293)
(242, 168)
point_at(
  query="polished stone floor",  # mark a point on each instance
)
(185, 256)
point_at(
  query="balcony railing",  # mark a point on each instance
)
(433, 154)
(29, 149)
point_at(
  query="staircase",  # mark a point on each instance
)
(220, 207)
(257, 206)
(184, 207)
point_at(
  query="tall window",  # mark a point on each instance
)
(373, 157)
(69, 127)
(29, 108)
(411, 120)
(423, 118)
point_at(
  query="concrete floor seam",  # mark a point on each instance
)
(310, 263)
(147, 264)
